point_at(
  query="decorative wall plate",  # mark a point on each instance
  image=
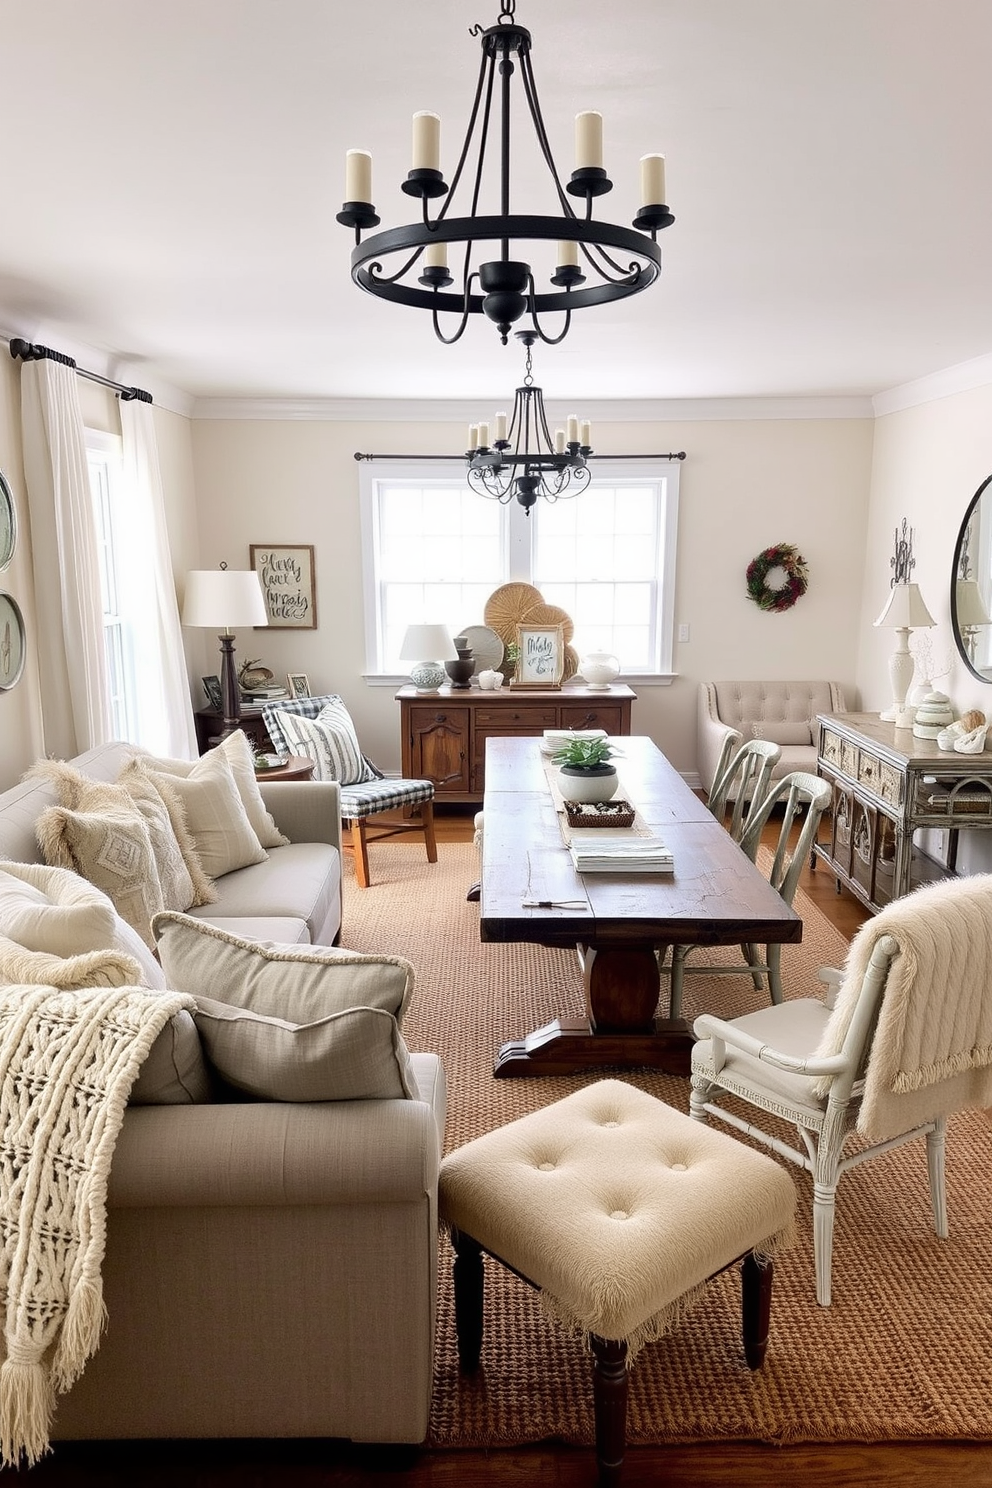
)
(8, 523)
(487, 648)
(11, 642)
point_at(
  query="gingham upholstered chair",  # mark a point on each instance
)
(322, 729)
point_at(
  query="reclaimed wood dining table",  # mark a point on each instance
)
(620, 923)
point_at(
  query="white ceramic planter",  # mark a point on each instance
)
(588, 786)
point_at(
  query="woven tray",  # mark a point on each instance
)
(609, 814)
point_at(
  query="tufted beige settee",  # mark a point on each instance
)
(782, 712)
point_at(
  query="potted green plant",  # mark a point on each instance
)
(585, 773)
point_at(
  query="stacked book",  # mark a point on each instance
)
(262, 694)
(602, 852)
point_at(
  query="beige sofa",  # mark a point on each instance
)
(782, 712)
(270, 1267)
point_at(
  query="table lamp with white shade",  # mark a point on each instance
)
(904, 611)
(224, 599)
(428, 646)
(971, 613)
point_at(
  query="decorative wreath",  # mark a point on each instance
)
(784, 556)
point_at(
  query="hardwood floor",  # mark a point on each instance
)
(295, 1464)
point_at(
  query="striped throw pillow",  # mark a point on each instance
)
(330, 741)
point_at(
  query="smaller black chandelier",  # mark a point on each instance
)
(523, 461)
(620, 261)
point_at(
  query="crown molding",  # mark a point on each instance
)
(464, 410)
(944, 384)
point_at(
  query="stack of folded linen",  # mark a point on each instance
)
(555, 739)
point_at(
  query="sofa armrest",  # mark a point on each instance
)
(305, 810)
(711, 735)
(265, 1154)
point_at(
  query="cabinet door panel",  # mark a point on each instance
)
(439, 747)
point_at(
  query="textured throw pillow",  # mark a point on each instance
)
(68, 973)
(111, 848)
(358, 1054)
(782, 732)
(242, 761)
(215, 817)
(187, 877)
(302, 983)
(55, 911)
(330, 741)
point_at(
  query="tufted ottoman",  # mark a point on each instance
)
(618, 1208)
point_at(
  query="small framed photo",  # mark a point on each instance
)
(211, 686)
(540, 656)
(299, 685)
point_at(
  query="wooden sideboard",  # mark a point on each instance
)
(444, 733)
(209, 724)
(887, 785)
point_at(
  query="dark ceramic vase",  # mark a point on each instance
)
(460, 671)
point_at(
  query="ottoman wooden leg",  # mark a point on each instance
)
(756, 1304)
(609, 1394)
(468, 1279)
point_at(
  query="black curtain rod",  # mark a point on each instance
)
(670, 456)
(28, 351)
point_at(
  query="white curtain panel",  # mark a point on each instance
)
(164, 713)
(75, 702)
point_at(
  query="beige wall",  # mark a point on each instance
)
(20, 718)
(745, 485)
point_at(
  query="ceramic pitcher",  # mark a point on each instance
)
(599, 669)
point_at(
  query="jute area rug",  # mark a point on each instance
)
(904, 1352)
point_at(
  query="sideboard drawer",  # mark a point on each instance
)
(830, 750)
(592, 715)
(520, 719)
(849, 759)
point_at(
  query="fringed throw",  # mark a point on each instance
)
(68, 1059)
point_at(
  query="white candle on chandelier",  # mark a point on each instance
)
(483, 436)
(585, 434)
(473, 436)
(358, 176)
(436, 256)
(426, 141)
(588, 140)
(652, 180)
(573, 428)
(559, 441)
(568, 255)
(500, 426)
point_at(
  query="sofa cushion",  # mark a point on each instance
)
(356, 1054)
(111, 848)
(56, 911)
(740, 704)
(301, 983)
(218, 823)
(783, 732)
(238, 753)
(302, 880)
(333, 747)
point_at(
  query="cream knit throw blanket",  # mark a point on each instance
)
(68, 1059)
(932, 1051)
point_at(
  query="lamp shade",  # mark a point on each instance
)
(905, 610)
(969, 603)
(223, 599)
(428, 643)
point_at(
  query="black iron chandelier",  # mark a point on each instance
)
(523, 460)
(620, 261)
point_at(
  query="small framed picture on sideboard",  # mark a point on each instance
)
(299, 685)
(211, 686)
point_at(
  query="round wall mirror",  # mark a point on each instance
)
(971, 585)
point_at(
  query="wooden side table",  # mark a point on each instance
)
(297, 767)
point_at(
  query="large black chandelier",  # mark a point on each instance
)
(522, 459)
(619, 261)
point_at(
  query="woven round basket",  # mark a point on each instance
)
(507, 605)
(548, 614)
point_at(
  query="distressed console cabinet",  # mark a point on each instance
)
(887, 785)
(444, 733)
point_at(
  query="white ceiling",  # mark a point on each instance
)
(171, 170)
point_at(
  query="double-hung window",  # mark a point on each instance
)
(434, 551)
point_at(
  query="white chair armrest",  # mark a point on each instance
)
(832, 979)
(711, 732)
(723, 1033)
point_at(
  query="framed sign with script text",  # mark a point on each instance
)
(287, 578)
(541, 656)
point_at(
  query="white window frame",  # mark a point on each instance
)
(517, 553)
